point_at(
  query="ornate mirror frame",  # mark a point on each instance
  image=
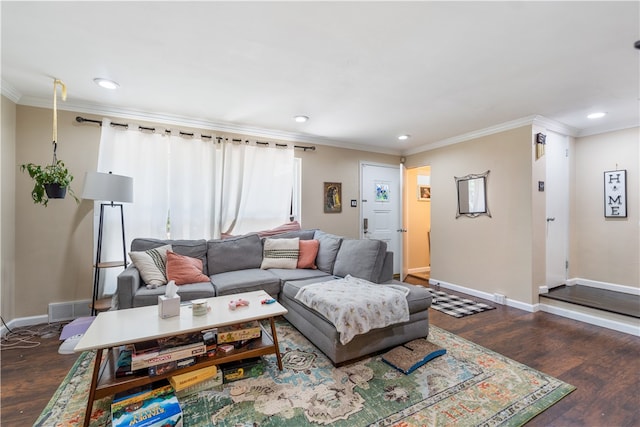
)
(472, 195)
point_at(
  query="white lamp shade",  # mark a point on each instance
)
(108, 187)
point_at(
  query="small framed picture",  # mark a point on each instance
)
(424, 192)
(332, 197)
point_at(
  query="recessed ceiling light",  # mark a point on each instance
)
(106, 83)
(403, 137)
(598, 115)
(301, 119)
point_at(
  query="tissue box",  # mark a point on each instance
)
(168, 307)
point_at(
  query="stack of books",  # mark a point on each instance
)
(241, 369)
(159, 356)
(150, 406)
(163, 355)
(196, 381)
(167, 354)
(237, 336)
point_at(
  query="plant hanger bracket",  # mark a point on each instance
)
(54, 136)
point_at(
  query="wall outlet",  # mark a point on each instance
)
(500, 299)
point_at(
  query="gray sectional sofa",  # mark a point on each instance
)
(233, 266)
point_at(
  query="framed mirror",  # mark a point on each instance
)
(472, 195)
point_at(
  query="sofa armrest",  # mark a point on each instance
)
(128, 283)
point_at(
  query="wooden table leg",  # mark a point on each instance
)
(92, 390)
(275, 342)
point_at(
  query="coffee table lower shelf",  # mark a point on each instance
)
(104, 382)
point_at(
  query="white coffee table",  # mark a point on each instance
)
(112, 329)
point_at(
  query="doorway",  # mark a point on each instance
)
(417, 222)
(557, 198)
(381, 198)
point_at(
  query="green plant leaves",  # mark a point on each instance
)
(56, 173)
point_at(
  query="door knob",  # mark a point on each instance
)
(551, 219)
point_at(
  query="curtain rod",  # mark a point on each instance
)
(80, 119)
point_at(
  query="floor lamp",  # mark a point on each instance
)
(116, 189)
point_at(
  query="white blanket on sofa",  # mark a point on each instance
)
(356, 306)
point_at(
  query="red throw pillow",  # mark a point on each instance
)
(183, 269)
(308, 253)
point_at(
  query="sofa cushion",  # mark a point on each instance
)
(308, 254)
(191, 248)
(418, 298)
(327, 251)
(301, 234)
(152, 265)
(299, 274)
(184, 270)
(280, 253)
(362, 258)
(255, 279)
(290, 288)
(187, 292)
(235, 253)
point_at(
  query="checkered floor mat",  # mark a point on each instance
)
(456, 306)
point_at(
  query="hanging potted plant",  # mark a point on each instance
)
(51, 181)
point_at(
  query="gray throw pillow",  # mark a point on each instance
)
(235, 253)
(327, 250)
(361, 258)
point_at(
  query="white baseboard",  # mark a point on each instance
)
(484, 295)
(604, 285)
(595, 317)
(607, 320)
(24, 321)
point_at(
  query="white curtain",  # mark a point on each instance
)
(191, 188)
(143, 156)
(256, 187)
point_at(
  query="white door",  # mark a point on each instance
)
(380, 207)
(557, 191)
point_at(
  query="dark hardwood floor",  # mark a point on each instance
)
(602, 299)
(603, 364)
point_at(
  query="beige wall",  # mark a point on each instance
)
(492, 255)
(331, 164)
(7, 208)
(499, 254)
(53, 249)
(606, 249)
(57, 240)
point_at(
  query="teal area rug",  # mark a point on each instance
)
(467, 386)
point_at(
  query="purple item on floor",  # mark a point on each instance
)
(78, 326)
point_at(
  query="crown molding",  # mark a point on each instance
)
(10, 91)
(555, 126)
(513, 124)
(604, 129)
(175, 120)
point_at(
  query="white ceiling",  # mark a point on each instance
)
(364, 72)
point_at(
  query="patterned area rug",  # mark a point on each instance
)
(468, 386)
(456, 306)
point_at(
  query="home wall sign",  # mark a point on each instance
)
(615, 194)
